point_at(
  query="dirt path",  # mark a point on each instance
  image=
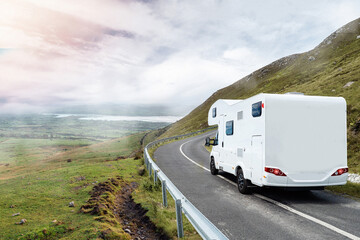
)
(132, 216)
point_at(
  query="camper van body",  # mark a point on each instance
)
(282, 140)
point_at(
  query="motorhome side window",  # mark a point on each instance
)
(256, 109)
(214, 112)
(216, 139)
(229, 128)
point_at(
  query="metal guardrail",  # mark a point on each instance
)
(203, 226)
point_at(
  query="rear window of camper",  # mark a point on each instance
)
(214, 112)
(256, 109)
(229, 127)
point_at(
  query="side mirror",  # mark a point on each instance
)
(210, 141)
(207, 141)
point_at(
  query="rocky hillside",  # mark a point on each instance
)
(330, 69)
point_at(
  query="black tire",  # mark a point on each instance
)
(242, 183)
(213, 169)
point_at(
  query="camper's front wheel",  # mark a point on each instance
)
(243, 184)
(213, 169)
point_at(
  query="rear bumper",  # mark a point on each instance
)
(295, 189)
(285, 181)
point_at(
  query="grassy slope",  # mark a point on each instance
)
(42, 183)
(42, 192)
(337, 62)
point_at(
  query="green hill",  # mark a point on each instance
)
(330, 69)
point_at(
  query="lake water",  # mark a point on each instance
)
(94, 117)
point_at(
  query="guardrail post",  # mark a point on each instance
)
(150, 168)
(164, 196)
(155, 177)
(146, 160)
(179, 221)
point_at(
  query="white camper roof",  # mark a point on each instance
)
(230, 101)
(223, 106)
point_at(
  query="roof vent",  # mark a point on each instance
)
(295, 93)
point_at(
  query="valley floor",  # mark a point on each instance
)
(48, 184)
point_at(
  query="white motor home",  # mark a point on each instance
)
(280, 140)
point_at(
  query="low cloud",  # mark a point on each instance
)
(162, 52)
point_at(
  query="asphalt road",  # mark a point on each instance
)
(266, 213)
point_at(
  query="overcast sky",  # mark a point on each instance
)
(57, 52)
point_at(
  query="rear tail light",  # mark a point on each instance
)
(340, 171)
(275, 171)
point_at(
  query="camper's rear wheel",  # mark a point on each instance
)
(242, 183)
(213, 169)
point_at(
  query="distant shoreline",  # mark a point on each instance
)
(97, 117)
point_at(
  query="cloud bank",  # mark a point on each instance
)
(148, 52)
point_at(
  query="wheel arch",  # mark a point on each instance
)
(237, 169)
(212, 158)
(245, 172)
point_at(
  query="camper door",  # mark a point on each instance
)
(220, 148)
(256, 164)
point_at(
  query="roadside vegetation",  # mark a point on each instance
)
(350, 189)
(149, 196)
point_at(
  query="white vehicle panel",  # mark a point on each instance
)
(303, 136)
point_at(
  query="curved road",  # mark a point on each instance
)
(265, 214)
